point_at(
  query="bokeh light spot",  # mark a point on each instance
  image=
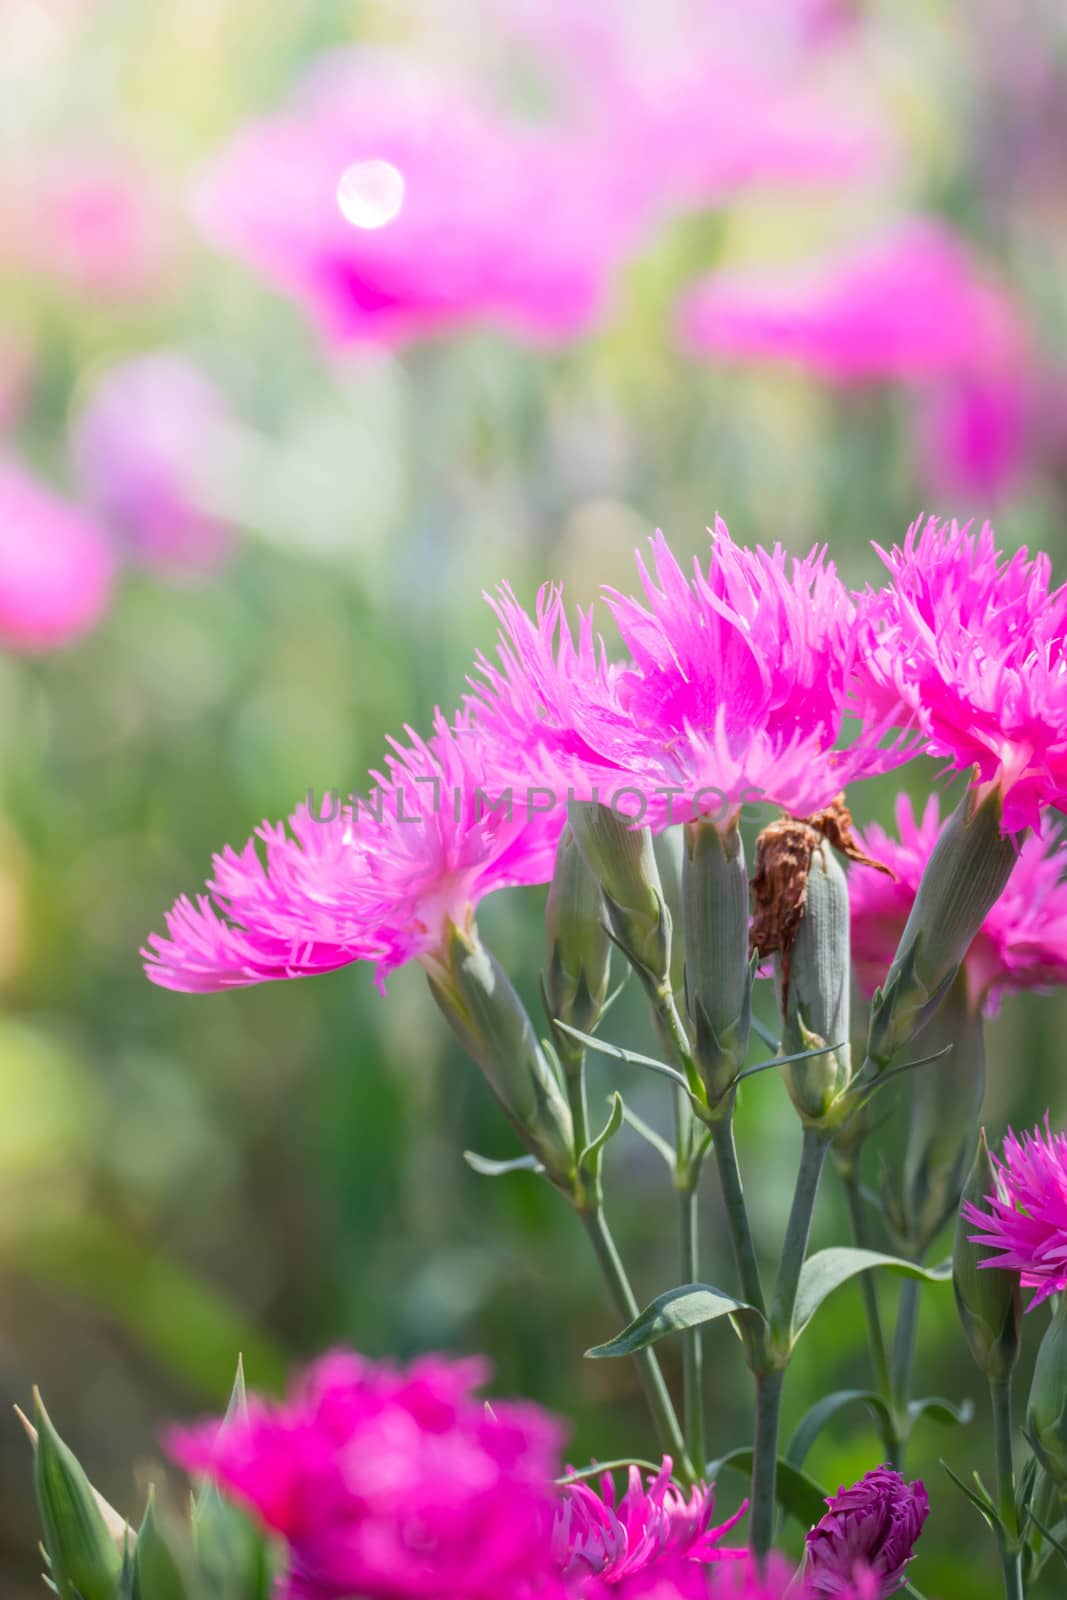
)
(371, 193)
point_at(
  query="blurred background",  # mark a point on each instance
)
(316, 321)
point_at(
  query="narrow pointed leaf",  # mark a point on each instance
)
(1056, 1540)
(649, 1135)
(941, 1410)
(783, 1061)
(984, 1505)
(827, 1270)
(630, 1057)
(823, 1412)
(610, 1129)
(797, 1494)
(595, 1469)
(499, 1169)
(689, 1306)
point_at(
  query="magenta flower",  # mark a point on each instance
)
(378, 880)
(595, 1537)
(976, 435)
(736, 691)
(868, 1535)
(1026, 1223)
(909, 307)
(146, 445)
(56, 566)
(1022, 943)
(390, 1483)
(394, 209)
(968, 646)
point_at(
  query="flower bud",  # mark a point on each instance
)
(161, 1560)
(988, 1299)
(945, 1104)
(622, 860)
(814, 992)
(963, 879)
(579, 950)
(669, 849)
(1046, 1411)
(718, 982)
(232, 1555)
(491, 1023)
(86, 1563)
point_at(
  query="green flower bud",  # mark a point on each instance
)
(235, 1559)
(669, 849)
(945, 1104)
(963, 879)
(622, 860)
(86, 1563)
(491, 1023)
(161, 1559)
(1046, 1411)
(579, 950)
(718, 983)
(988, 1299)
(816, 1005)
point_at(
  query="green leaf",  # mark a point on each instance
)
(796, 1493)
(597, 1467)
(824, 1412)
(783, 1061)
(499, 1169)
(691, 1305)
(941, 1410)
(980, 1500)
(610, 1129)
(649, 1135)
(827, 1270)
(1056, 1540)
(631, 1057)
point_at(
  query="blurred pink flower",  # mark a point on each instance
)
(1022, 944)
(392, 1483)
(974, 435)
(379, 881)
(394, 209)
(144, 447)
(869, 1533)
(737, 690)
(87, 219)
(968, 645)
(652, 1525)
(1026, 1219)
(910, 306)
(56, 566)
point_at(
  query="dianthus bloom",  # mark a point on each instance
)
(56, 566)
(380, 879)
(968, 645)
(909, 307)
(392, 1483)
(736, 690)
(395, 209)
(595, 1537)
(1026, 1220)
(145, 446)
(1022, 944)
(867, 1537)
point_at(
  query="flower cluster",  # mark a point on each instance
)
(1022, 944)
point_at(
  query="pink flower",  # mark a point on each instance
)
(1022, 943)
(869, 1532)
(390, 1483)
(395, 210)
(56, 566)
(89, 220)
(969, 646)
(975, 434)
(379, 880)
(1026, 1223)
(593, 1537)
(910, 307)
(145, 446)
(736, 691)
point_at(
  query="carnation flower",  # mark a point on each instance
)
(650, 1526)
(1026, 1219)
(968, 645)
(736, 692)
(392, 1483)
(867, 1537)
(380, 879)
(144, 447)
(395, 209)
(911, 306)
(1022, 944)
(56, 566)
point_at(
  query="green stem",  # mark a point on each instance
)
(769, 1382)
(733, 1195)
(648, 1367)
(765, 1460)
(693, 1354)
(903, 1362)
(891, 1427)
(1008, 1542)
